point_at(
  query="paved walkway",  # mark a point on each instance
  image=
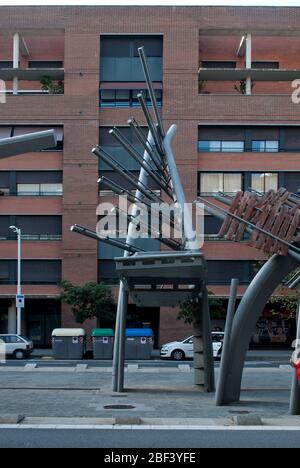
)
(152, 393)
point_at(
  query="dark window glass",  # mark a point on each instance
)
(108, 97)
(127, 46)
(115, 46)
(220, 271)
(265, 65)
(6, 64)
(217, 64)
(292, 181)
(31, 177)
(122, 98)
(45, 64)
(127, 97)
(107, 271)
(292, 139)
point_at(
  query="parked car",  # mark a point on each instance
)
(17, 346)
(184, 349)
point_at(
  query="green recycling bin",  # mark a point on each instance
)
(68, 343)
(103, 343)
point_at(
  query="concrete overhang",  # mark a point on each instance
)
(256, 32)
(238, 74)
(32, 31)
(31, 74)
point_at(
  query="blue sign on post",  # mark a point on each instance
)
(20, 300)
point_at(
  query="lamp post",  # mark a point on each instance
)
(19, 309)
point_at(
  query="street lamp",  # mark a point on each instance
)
(19, 310)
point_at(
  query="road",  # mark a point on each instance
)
(153, 439)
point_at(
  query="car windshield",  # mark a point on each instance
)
(24, 338)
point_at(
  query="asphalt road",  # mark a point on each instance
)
(152, 439)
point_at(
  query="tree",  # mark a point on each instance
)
(93, 300)
(241, 87)
(216, 307)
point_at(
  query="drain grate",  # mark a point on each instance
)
(239, 412)
(118, 407)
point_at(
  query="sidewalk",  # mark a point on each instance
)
(163, 395)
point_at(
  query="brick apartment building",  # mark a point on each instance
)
(231, 135)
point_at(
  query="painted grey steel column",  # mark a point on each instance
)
(248, 63)
(119, 346)
(295, 392)
(226, 343)
(203, 354)
(209, 371)
(16, 59)
(248, 312)
(190, 235)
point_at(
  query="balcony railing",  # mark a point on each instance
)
(33, 237)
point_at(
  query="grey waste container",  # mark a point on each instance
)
(68, 343)
(103, 343)
(139, 343)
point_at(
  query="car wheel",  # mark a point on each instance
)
(178, 355)
(19, 354)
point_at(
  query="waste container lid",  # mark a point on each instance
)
(103, 332)
(68, 332)
(139, 332)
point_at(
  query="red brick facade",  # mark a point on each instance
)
(187, 38)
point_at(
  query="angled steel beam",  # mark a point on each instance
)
(141, 51)
(144, 142)
(171, 243)
(100, 153)
(151, 126)
(27, 143)
(105, 239)
(145, 164)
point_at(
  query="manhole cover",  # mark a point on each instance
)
(238, 412)
(118, 407)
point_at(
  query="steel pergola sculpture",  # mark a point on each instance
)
(271, 222)
(162, 278)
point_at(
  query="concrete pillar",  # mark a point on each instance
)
(12, 318)
(16, 58)
(248, 62)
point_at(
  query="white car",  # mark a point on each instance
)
(179, 350)
(16, 345)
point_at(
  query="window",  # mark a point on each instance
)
(262, 182)
(212, 182)
(265, 65)
(126, 97)
(220, 271)
(5, 132)
(39, 189)
(45, 64)
(12, 339)
(268, 146)
(127, 46)
(217, 64)
(6, 64)
(221, 146)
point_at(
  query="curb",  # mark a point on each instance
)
(12, 420)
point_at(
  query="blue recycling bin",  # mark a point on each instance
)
(139, 343)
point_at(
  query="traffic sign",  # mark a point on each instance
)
(20, 300)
